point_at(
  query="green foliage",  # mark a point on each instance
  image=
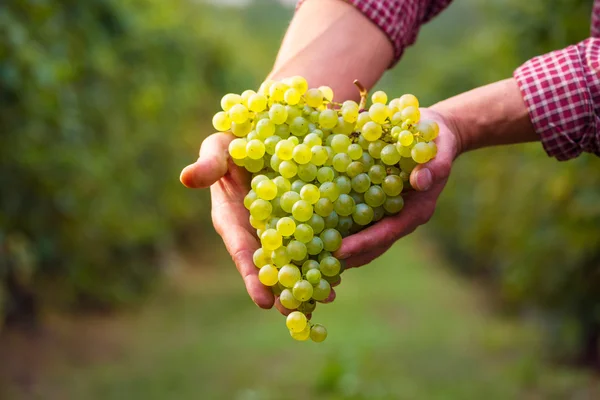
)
(100, 108)
(529, 224)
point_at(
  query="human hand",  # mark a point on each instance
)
(428, 180)
(229, 184)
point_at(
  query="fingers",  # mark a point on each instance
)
(424, 176)
(212, 163)
(418, 208)
(365, 258)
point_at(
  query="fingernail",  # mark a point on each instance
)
(424, 179)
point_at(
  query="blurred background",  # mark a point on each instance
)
(113, 284)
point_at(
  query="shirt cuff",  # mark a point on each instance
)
(561, 90)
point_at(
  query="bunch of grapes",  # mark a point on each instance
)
(321, 171)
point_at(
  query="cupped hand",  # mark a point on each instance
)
(428, 180)
(229, 184)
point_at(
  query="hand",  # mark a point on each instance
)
(229, 184)
(428, 180)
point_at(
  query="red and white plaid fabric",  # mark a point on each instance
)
(561, 89)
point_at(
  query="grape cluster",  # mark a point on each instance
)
(321, 171)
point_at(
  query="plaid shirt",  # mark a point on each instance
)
(561, 89)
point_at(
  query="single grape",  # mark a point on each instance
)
(302, 154)
(318, 333)
(325, 174)
(277, 91)
(330, 266)
(361, 182)
(313, 276)
(221, 121)
(327, 92)
(249, 199)
(393, 205)
(317, 223)
(271, 144)
(357, 197)
(372, 131)
(328, 119)
(260, 258)
(284, 150)
(266, 190)
(354, 169)
(315, 246)
(288, 169)
(288, 199)
(314, 98)
(332, 240)
(378, 213)
(392, 185)
(421, 153)
(312, 139)
(287, 299)
(345, 224)
(379, 97)
(375, 196)
(301, 336)
(350, 111)
(344, 205)
(363, 118)
(307, 307)
(308, 265)
(340, 143)
(341, 162)
(319, 155)
(331, 220)
(292, 96)
(304, 233)
(302, 210)
(286, 226)
(240, 130)
(310, 193)
(355, 151)
(278, 114)
(378, 113)
(389, 155)
(237, 148)
(408, 100)
(299, 126)
(257, 223)
(238, 114)
(363, 214)
(261, 209)
(271, 239)
(257, 103)
(254, 165)
(280, 257)
(288, 275)
(411, 113)
(343, 184)
(321, 290)
(299, 83)
(377, 174)
(406, 138)
(267, 275)
(302, 290)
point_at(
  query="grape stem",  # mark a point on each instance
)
(363, 94)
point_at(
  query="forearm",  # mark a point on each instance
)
(330, 42)
(490, 115)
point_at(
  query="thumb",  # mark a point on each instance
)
(424, 176)
(212, 163)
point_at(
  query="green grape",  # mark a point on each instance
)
(363, 118)
(277, 91)
(341, 162)
(312, 139)
(299, 83)
(363, 143)
(313, 276)
(367, 161)
(329, 190)
(287, 299)
(323, 207)
(275, 162)
(328, 119)
(325, 174)
(240, 162)
(288, 169)
(308, 307)
(315, 246)
(292, 113)
(345, 223)
(331, 220)
(314, 98)
(265, 128)
(344, 205)
(255, 149)
(363, 214)
(271, 144)
(292, 96)
(268, 275)
(301, 336)
(278, 114)
(241, 130)
(288, 199)
(249, 199)
(307, 172)
(296, 250)
(302, 290)
(310, 193)
(260, 258)
(379, 97)
(230, 100)
(261, 209)
(304, 233)
(317, 223)
(283, 131)
(330, 266)
(354, 169)
(375, 149)
(350, 111)
(283, 185)
(239, 114)
(288, 275)
(408, 100)
(280, 257)
(375, 196)
(266, 190)
(299, 126)
(314, 119)
(433, 148)
(256, 180)
(302, 210)
(377, 174)
(257, 103)
(327, 92)
(321, 290)
(302, 154)
(378, 113)
(407, 164)
(252, 135)
(340, 143)
(318, 333)
(284, 150)
(372, 131)
(221, 121)
(404, 151)
(286, 226)
(332, 240)
(421, 153)
(395, 132)
(392, 185)
(237, 148)
(297, 185)
(378, 213)
(404, 176)
(397, 120)
(389, 155)
(257, 223)
(406, 138)
(358, 197)
(355, 151)
(308, 265)
(361, 182)
(411, 113)
(323, 254)
(271, 239)
(393, 205)
(343, 184)
(319, 155)
(343, 127)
